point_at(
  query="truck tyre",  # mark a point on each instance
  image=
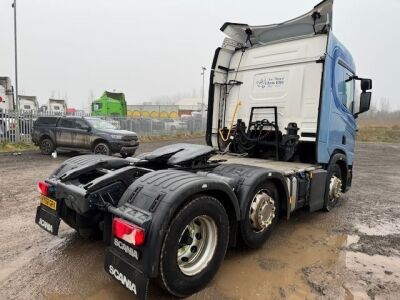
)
(333, 187)
(194, 246)
(102, 148)
(46, 146)
(261, 216)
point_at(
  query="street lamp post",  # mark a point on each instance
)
(203, 69)
(17, 135)
(14, 5)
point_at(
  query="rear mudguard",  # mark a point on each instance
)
(156, 197)
(246, 178)
(153, 199)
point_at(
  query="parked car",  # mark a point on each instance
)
(83, 133)
(171, 124)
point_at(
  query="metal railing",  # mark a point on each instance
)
(16, 126)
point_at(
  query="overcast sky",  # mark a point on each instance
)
(154, 48)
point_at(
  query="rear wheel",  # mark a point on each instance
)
(194, 246)
(46, 146)
(102, 148)
(261, 215)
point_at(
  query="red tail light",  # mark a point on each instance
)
(128, 232)
(43, 188)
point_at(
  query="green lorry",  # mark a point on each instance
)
(110, 104)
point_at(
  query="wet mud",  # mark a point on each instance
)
(352, 252)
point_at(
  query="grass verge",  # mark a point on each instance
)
(179, 136)
(379, 134)
(17, 147)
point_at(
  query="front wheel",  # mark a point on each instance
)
(102, 148)
(194, 246)
(333, 187)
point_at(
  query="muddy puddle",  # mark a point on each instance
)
(294, 264)
(300, 261)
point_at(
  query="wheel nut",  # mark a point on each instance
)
(193, 249)
(185, 259)
(198, 236)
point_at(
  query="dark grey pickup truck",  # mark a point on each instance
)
(82, 133)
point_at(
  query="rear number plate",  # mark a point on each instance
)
(50, 203)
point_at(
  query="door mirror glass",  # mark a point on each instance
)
(365, 101)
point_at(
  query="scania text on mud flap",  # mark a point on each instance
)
(281, 126)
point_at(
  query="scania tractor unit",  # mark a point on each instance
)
(282, 108)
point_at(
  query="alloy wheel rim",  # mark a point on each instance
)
(262, 211)
(197, 245)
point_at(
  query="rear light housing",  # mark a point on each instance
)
(43, 188)
(128, 232)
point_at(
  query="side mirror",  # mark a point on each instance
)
(365, 102)
(366, 84)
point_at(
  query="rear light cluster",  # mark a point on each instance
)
(128, 232)
(43, 188)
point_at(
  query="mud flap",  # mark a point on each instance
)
(47, 221)
(126, 274)
(317, 194)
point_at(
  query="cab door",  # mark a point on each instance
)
(82, 134)
(65, 130)
(345, 90)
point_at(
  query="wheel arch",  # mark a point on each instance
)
(339, 157)
(163, 193)
(44, 136)
(244, 178)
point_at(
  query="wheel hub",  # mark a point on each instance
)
(197, 245)
(262, 211)
(335, 187)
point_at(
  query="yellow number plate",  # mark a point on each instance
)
(48, 202)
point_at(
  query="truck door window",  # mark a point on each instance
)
(345, 86)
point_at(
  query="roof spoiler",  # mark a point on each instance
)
(316, 21)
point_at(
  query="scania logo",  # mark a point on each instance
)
(126, 249)
(46, 225)
(122, 278)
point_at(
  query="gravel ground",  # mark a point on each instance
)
(352, 252)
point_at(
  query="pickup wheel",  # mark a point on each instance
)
(102, 148)
(261, 216)
(46, 146)
(194, 246)
(333, 187)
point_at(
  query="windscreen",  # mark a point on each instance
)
(100, 124)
